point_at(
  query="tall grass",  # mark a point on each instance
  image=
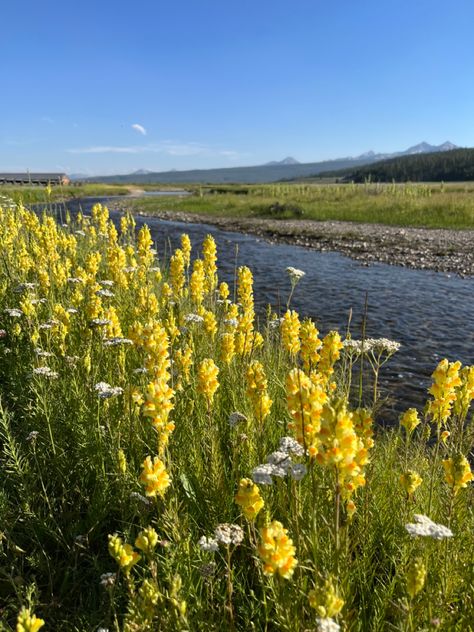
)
(421, 205)
(93, 379)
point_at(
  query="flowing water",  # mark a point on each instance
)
(430, 313)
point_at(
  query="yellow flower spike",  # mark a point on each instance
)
(330, 353)
(410, 420)
(290, 330)
(310, 344)
(248, 497)
(446, 379)
(122, 462)
(410, 481)
(223, 291)
(209, 255)
(147, 540)
(465, 392)
(154, 477)
(257, 390)
(210, 322)
(27, 622)
(207, 383)
(305, 399)
(197, 282)
(457, 472)
(122, 553)
(415, 577)
(227, 350)
(325, 600)
(177, 266)
(186, 249)
(277, 551)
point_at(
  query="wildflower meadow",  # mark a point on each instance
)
(171, 461)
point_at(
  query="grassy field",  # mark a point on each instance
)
(421, 205)
(167, 465)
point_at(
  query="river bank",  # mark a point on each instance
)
(441, 250)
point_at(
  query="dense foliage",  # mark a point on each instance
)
(456, 165)
(168, 465)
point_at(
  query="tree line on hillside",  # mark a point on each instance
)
(451, 166)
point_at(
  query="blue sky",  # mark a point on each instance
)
(224, 83)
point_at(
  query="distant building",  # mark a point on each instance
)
(34, 179)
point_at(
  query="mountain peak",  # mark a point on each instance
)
(286, 161)
(426, 148)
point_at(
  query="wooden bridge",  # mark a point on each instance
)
(34, 179)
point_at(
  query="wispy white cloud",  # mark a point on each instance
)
(47, 119)
(139, 128)
(168, 148)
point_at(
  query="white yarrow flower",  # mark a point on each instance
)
(327, 625)
(115, 342)
(45, 371)
(229, 534)
(193, 318)
(291, 446)
(295, 274)
(104, 390)
(209, 545)
(424, 526)
(13, 312)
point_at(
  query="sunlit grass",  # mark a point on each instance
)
(141, 408)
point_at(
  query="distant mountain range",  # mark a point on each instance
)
(287, 169)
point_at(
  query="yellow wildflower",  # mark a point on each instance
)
(154, 477)
(445, 381)
(415, 577)
(325, 600)
(290, 330)
(305, 398)
(227, 350)
(147, 540)
(409, 420)
(457, 472)
(410, 481)
(310, 343)
(276, 550)
(122, 553)
(186, 249)
(207, 383)
(28, 622)
(248, 497)
(257, 390)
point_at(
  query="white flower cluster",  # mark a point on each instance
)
(43, 354)
(372, 345)
(49, 324)
(424, 526)
(295, 274)
(107, 580)
(100, 322)
(104, 390)
(116, 342)
(74, 280)
(225, 534)
(236, 418)
(327, 625)
(31, 438)
(231, 322)
(105, 293)
(13, 312)
(72, 310)
(193, 318)
(279, 463)
(23, 287)
(106, 283)
(45, 371)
